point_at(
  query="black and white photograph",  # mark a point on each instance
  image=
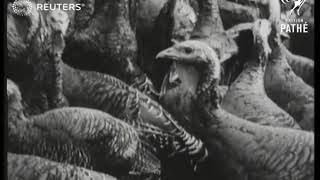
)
(159, 90)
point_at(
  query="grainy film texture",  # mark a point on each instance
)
(160, 89)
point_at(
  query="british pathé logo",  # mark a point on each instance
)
(297, 5)
(24, 7)
(294, 25)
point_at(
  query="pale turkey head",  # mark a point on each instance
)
(190, 61)
(13, 92)
(21, 29)
(261, 30)
(14, 100)
(58, 21)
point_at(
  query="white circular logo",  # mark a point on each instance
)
(22, 7)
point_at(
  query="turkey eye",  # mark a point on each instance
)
(188, 50)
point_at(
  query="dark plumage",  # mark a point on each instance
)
(287, 89)
(203, 130)
(178, 92)
(209, 29)
(246, 97)
(36, 41)
(83, 137)
(100, 91)
(104, 35)
(184, 20)
(27, 167)
(262, 152)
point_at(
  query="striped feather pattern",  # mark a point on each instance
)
(26, 167)
(108, 94)
(247, 99)
(84, 137)
(265, 152)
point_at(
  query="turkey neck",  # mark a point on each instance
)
(129, 71)
(208, 95)
(55, 78)
(208, 91)
(254, 70)
(209, 20)
(278, 48)
(259, 54)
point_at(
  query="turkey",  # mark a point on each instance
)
(59, 23)
(232, 69)
(36, 42)
(262, 152)
(233, 13)
(147, 15)
(170, 20)
(246, 97)
(104, 34)
(287, 89)
(209, 29)
(265, 8)
(39, 168)
(79, 136)
(184, 20)
(297, 41)
(178, 91)
(109, 94)
(130, 105)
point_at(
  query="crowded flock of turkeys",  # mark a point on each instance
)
(159, 89)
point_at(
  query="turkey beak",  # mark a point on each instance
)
(169, 53)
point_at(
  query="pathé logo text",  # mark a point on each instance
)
(294, 25)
